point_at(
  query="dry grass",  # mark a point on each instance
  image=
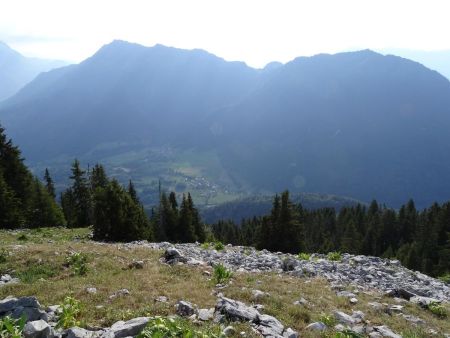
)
(40, 261)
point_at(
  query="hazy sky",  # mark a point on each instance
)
(254, 31)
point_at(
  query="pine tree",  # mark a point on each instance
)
(80, 196)
(98, 178)
(186, 224)
(132, 192)
(49, 185)
(198, 226)
(117, 217)
(24, 200)
(10, 213)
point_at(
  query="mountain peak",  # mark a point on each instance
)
(5, 49)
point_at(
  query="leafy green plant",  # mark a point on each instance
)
(70, 313)
(348, 334)
(303, 256)
(78, 262)
(219, 246)
(335, 256)
(3, 256)
(438, 310)
(222, 274)
(11, 328)
(160, 327)
(205, 246)
(328, 320)
(445, 278)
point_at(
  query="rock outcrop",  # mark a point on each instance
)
(366, 272)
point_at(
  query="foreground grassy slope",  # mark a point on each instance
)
(38, 258)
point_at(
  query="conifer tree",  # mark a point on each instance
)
(80, 196)
(49, 185)
(24, 200)
(186, 222)
(198, 226)
(132, 192)
(98, 178)
(10, 213)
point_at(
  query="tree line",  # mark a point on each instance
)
(419, 239)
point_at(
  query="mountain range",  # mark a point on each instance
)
(17, 70)
(357, 124)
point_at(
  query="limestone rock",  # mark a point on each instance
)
(317, 326)
(129, 328)
(235, 310)
(229, 331)
(206, 314)
(258, 295)
(77, 332)
(185, 309)
(386, 332)
(37, 329)
(344, 318)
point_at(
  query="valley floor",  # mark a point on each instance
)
(39, 259)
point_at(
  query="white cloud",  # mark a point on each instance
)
(256, 31)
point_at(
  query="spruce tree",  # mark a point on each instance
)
(132, 192)
(49, 185)
(24, 200)
(198, 226)
(81, 196)
(10, 214)
(186, 222)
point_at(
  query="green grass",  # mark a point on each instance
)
(36, 272)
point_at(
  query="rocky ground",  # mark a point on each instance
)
(271, 294)
(363, 272)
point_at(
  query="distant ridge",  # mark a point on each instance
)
(357, 124)
(17, 70)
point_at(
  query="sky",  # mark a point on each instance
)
(253, 31)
